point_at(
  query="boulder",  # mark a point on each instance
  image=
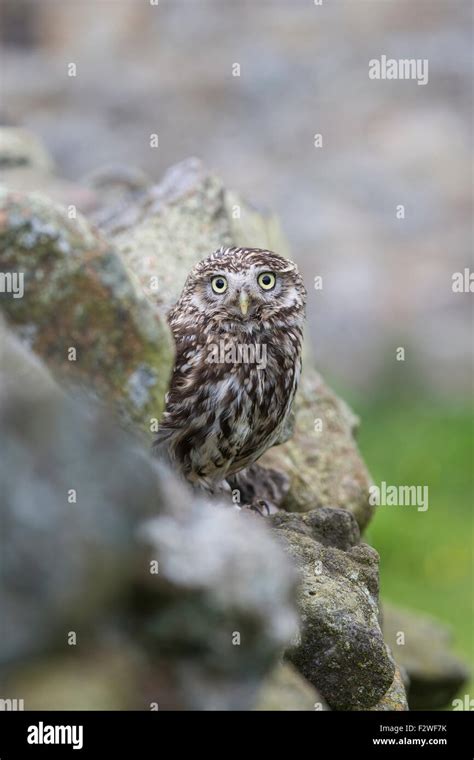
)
(80, 310)
(341, 650)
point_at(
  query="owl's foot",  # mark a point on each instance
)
(257, 483)
(261, 507)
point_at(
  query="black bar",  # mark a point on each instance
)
(148, 734)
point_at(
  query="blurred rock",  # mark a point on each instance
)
(434, 673)
(286, 689)
(90, 677)
(341, 650)
(25, 370)
(73, 488)
(85, 514)
(223, 600)
(26, 166)
(21, 149)
(79, 297)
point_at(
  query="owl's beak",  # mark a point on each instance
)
(244, 302)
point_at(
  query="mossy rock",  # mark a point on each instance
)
(81, 311)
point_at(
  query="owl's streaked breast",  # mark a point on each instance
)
(246, 409)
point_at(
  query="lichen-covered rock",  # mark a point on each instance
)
(80, 310)
(98, 540)
(161, 237)
(341, 649)
(179, 222)
(395, 700)
(286, 689)
(422, 647)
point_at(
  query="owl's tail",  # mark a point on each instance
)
(161, 448)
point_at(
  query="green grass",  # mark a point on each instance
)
(426, 557)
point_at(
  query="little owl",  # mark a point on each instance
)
(238, 328)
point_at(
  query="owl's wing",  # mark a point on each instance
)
(287, 429)
(176, 412)
(160, 447)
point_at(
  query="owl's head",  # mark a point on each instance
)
(245, 286)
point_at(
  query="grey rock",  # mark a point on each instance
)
(72, 489)
(395, 699)
(117, 190)
(224, 599)
(204, 630)
(435, 674)
(339, 531)
(341, 649)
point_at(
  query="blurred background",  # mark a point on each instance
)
(387, 282)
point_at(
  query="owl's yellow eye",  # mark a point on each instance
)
(219, 284)
(266, 280)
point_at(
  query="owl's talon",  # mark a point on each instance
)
(261, 507)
